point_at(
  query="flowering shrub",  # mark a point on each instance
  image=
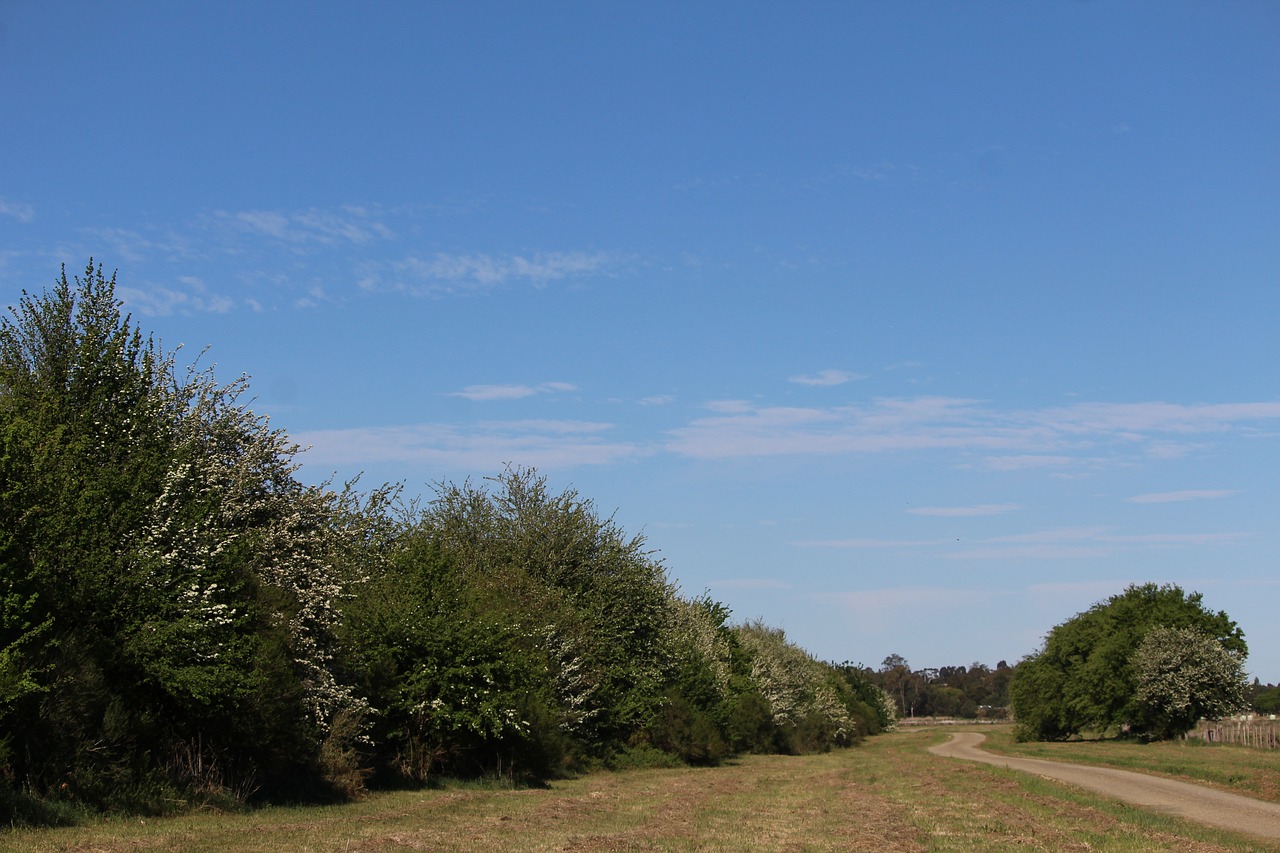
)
(1184, 675)
(802, 692)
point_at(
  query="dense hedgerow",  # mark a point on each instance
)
(182, 621)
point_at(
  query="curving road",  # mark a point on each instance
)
(1184, 799)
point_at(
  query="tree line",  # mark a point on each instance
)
(971, 692)
(183, 621)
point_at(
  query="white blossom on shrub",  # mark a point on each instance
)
(795, 684)
(1183, 675)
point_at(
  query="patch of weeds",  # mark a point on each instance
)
(644, 757)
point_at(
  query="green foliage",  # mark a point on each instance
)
(514, 631)
(183, 622)
(445, 681)
(1083, 679)
(705, 664)
(807, 699)
(1267, 701)
(591, 601)
(168, 587)
(872, 704)
(23, 626)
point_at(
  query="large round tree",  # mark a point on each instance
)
(1085, 679)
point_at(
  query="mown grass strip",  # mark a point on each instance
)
(887, 795)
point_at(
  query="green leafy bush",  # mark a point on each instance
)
(1084, 678)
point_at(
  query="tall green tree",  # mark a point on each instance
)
(1083, 678)
(168, 587)
(590, 598)
(452, 689)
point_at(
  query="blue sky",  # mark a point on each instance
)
(908, 327)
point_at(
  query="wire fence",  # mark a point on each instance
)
(1250, 730)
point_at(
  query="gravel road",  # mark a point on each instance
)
(1184, 799)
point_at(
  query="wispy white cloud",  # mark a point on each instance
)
(189, 296)
(657, 400)
(279, 257)
(484, 393)
(1184, 495)
(1087, 435)
(730, 406)
(137, 246)
(541, 425)
(1052, 544)
(1177, 538)
(1158, 449)
(869, 542)
(827, 377)
(487, 446)
(1040, 551)
(322, 227)
(964, 511)
(876, 172)
(742, 429)
(1026, 461)
(1081, 542)
(444, 273)
(750, 583)
(1057, 534)
(1137, 419)
(16, 209)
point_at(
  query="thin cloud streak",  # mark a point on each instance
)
(485, 393)
(191, 297)
(858, 543)
(750, 583)
(1185, 495)
(1048, 551)
(18, 210)
(1054, 544)
(1026, 462)
(1061, 534)
(1140, 418)
(1055, 437)
(545, 445)
(828, 377)
(1177, 538)
(964, 511)
(373, 239)
(347, 225)
(445, 273)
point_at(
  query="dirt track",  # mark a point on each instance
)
(1184, 799)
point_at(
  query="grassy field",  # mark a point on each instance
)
(887, 795)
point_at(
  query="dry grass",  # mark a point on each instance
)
(888, 795)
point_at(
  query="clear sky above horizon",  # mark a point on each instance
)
(911, 327)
